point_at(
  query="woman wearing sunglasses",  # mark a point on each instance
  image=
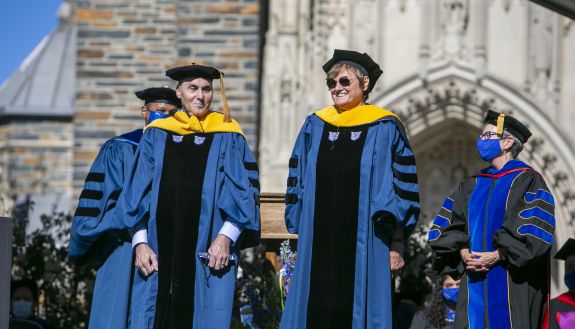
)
(352, 198)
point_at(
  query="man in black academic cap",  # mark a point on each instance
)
(495, 232)
(94, 238)
(562, 309)
(158, 103)
(192, 198)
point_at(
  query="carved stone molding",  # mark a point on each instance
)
(453, 28)
(446, 105)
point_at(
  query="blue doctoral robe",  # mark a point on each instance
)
(95, 239)
(229, 192)
(509, 210)
(388, 199)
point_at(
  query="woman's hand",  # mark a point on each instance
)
(465, 255)
(219, 252)
(481, 261)
(145, 260)
(396, 262)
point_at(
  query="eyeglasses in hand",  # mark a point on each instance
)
(204, 259)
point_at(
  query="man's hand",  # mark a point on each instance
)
(145, 260)
(219, 252)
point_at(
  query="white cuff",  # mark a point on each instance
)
(231, 231)
(140, 237)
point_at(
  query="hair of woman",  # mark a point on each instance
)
(435, 311)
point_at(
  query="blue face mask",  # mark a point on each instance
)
(488, 149)
(570, 280)
(450, 294)
(155, 116)
(22, 309)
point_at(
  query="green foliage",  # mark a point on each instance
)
(42, 256)
(413, 282)
(258, 286)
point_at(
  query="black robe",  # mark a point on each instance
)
(510, 210)
(420, 321)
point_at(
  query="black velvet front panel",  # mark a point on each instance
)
(178, 212)
(330, 303)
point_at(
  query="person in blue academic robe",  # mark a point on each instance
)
(95, 238)
(495, 232)
(352, 198)
(192, 200)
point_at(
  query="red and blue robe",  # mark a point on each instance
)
(561, 312)
(510, 210)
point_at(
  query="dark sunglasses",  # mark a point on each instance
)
(343, 81)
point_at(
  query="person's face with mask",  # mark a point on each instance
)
(152, 111)
(450, 289)
(570, 273)
(491, 146)
(23, 303)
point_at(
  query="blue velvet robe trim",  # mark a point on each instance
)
(487, 208)
(381, 210)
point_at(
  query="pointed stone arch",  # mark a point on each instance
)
(449, 105)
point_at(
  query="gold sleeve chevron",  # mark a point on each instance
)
(181, 124)
(357, 116)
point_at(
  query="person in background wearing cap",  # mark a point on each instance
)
(495, 232)
(352, 197)
(192, 198)
(96, 237)
(561, 311)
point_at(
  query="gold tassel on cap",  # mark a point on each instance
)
(227, 116)
(500, 122)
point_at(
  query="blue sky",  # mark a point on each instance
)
(22, 27)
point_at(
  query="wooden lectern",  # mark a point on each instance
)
(274, 230)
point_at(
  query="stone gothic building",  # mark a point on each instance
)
(445, 63)
(76, 89)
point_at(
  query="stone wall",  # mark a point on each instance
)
(126, 45)
(225, 34)
(36, 157)
(123, 46)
